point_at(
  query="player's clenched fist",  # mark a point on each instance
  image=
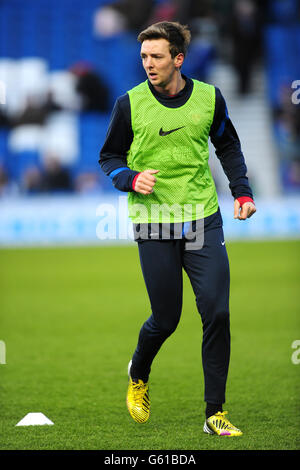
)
(145, 182)
(245, 211)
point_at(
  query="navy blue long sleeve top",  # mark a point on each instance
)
(223, 136)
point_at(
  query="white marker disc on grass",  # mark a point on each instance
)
(34, 419)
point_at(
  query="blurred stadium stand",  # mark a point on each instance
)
(46, 46)
(40, 41)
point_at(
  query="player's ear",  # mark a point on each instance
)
(178, 61)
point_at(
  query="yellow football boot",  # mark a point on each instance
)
(218, 424)
(138, 400)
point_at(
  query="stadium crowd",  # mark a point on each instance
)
(53, 118)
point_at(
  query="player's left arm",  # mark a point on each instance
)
(244, 208)
(228, 149)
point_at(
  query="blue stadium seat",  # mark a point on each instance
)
(283, 12)
(280, 53)
(3, 146)
(92, 131)
(3, 139)
(18, 163)
(93, 128)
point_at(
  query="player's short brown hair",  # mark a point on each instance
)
(178, 35)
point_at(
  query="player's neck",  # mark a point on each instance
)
(173, 87)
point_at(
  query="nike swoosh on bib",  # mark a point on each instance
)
(163, 133)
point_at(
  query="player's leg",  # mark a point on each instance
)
(162, 271)
(208, 271)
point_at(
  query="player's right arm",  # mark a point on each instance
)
(113, 159)
(119, 136)
(145, 181)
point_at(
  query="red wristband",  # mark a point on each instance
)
(244, 199)
(134, 180)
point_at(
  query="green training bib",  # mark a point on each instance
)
(175, 142)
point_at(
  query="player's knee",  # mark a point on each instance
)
(213, 313)
(167, 329)
(164, 326)
(218, 320)
(221, 317)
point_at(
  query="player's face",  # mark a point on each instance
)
(158, 63)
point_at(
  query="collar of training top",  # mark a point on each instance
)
(185, 91)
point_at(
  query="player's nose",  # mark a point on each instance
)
(148, 63)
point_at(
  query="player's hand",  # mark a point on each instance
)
(244, 212)
(145, 182)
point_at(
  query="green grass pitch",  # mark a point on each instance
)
(70, 319)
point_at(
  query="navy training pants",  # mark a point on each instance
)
(162, 262)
